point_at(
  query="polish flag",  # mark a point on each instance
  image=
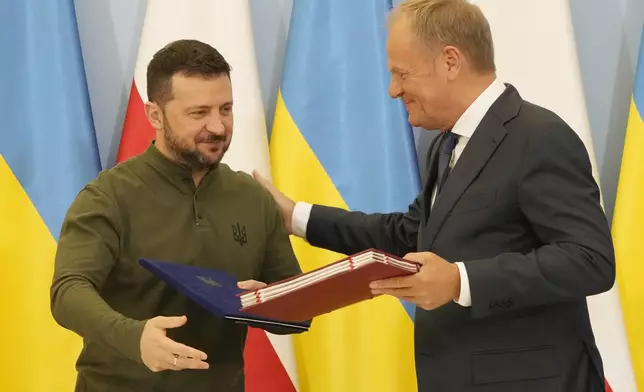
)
(540, 59)
(226, 25)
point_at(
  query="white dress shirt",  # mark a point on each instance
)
(464, 128)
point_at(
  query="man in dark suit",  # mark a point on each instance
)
(508, 228)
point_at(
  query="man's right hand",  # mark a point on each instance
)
(285, 204)
(159, 352)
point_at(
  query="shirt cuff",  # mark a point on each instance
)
(300, 218)
(465, 298)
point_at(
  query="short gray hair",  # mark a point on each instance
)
(452, 22)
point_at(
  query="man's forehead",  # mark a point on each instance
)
(192, 86)
(403, 38)
(400, 54)
(406, 49)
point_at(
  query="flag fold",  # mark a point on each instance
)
(628, 224)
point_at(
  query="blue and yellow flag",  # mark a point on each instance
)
(338, 139)
(47, 153)
(628, 225)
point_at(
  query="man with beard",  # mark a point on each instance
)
(175, 202)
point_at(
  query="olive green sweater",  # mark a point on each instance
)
(149, 207)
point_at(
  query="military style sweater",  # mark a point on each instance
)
(149, 207)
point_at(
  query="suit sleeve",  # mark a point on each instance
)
(560, 200)
(349, 232)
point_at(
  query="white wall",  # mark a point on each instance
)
(607, 33)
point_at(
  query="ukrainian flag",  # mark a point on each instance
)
(47, 153)
(628, 225)
(339, 140)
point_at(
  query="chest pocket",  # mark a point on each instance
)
(475, 200)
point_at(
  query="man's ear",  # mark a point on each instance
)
(154, 115)
(453, 59)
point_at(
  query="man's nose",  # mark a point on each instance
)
(215, 125)
(394, 89)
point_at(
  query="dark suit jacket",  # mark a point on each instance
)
(521, 210)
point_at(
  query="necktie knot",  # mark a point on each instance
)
(448, 143)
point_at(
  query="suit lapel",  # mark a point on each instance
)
(474, 157)
(487, 137)
(432, 171)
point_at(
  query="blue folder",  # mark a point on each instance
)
(216, 291)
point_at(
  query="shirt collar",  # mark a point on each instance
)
(176, 173)
(470, 119)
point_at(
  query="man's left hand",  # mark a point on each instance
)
(437, 282)
(251, 285)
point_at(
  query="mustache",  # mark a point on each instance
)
(212, 138)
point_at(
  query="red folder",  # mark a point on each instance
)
(334, 286)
